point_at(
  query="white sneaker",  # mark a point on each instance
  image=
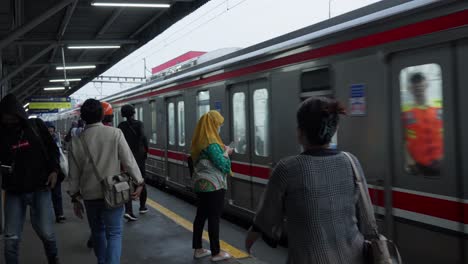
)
(221, 256)
(203, 254)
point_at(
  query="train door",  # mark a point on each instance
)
(250, 128)
(425, 197)
(176, 145)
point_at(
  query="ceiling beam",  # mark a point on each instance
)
(66, 20)
(23, 93)
(29, 78)
(59, 63)
(146, 24)
(26, 64)
(33, 23)
(77, 42)
(103, 29)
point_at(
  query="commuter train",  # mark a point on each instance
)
(364, 59)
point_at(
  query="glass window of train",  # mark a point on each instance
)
(140, 109)
(239, 122)
(181, 119)
(171, 121)
(203, 103)
(261, 116)
(153, 138)
(422, 119)
(315, 80)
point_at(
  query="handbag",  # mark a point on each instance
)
(117, 189)
(377, 249)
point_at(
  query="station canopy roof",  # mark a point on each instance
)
(33, 34)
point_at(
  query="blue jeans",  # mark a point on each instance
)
(41, 219)
(106, 230)
(57, 199)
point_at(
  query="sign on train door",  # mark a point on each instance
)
(425, 169)
(250, 136)
(176, 141)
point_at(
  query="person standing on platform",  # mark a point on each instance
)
(108, 150)
(57, 190)
(134, 133)
(316, 192)
(29, 161)
(211, 167)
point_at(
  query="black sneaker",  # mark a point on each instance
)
(143, 210)
(60, 219)
(89, 244)
(130, 217)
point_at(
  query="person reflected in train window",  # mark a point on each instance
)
(316, 192)
(423, 129)
(134, 133)
(211, 167)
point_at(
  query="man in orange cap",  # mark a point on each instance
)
(108, 113)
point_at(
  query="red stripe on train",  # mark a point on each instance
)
(454, 20)
(156, 152)
(435, 207)
(249, 170)
(177, 156)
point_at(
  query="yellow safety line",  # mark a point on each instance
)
(236, 253)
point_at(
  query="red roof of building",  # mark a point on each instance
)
(184, 57)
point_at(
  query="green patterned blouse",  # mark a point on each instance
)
(209, 182)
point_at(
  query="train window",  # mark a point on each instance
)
(203, 103)
(261, 116)
(140, 110)
(171, 121)
(154, 137)
(181, 119)
(422, 119)
(316, 80)
(240, 122)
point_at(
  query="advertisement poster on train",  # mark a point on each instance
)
(357, 100)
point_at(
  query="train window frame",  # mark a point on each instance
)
(154, 135)
(309, 73)
(199, 105)
(171, 129)
(245, 121)
(409, 110)
(181, 123)
(256, 117)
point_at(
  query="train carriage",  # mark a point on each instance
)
(365, 59)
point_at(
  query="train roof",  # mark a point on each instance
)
(372, 13)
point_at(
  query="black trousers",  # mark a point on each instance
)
(144, 193)
(210, 206)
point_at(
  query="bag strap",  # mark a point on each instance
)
(88, 153)
(364, 194)
(133, 130)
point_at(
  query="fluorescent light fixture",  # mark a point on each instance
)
(94, 47)
(77, 67)
(32, 116)
(131, 4)
(70, 80)
(54, 88)
(27, 110)
(26, 105)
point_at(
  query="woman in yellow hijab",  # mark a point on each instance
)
(211, 167)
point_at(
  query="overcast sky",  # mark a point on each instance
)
(222, 24)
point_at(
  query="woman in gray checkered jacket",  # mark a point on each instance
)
(316, 193)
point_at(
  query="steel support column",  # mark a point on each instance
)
(36, 21)
(26, 64)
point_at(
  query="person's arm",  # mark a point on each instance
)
(74, 170)
(364, 223)
(270, 214)
(216, 155)
(127, 159)
(143, 135)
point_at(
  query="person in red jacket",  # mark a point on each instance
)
(424, 129)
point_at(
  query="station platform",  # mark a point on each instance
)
(163, 235)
